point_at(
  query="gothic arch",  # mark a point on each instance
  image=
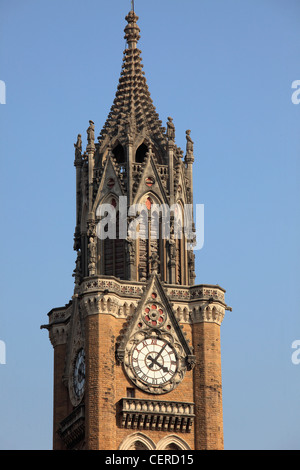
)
(108, 198)
(112, 251)
(119, 152)
(149, 194)
(155, 149)
(172, 442)
(151, 249)
(181, 276)
(140, 154)
(137, 441)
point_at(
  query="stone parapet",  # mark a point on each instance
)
(156, 415)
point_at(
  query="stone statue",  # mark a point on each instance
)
(170, 129)
(78, 148)
(91, 134)
(191, 257)
(78, 145)
(77, 270)
(131, 250)
(154, 263)
(93, 256)
(189, 143)
(172, 243)
(128, 128)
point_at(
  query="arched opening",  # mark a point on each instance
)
(180, 244)
(119, 154)
(137, 441)
(172, 442)
(141, 153)
(138, 445)
(113, 249)
(143, 247)
(151, 245)
(172, 447)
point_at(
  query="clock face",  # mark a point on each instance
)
(154, 361)
(79, 374)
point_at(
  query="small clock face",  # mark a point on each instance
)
(79, 374)
(154, 361)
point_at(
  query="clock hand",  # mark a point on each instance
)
(154, 361)
(160, 352)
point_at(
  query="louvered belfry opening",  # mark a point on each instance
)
(114, 254)
(151, 246)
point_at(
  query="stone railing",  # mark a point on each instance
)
(112, 285)
(156, 415)
(72, 428)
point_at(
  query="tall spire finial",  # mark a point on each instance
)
(132, 31)
(132, 5)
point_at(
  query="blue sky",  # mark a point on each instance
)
(223, 69)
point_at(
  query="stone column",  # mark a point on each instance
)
(61, 402)
(91, 154)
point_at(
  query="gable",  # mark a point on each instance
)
(155, 318)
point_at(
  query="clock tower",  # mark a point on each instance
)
(137, 358)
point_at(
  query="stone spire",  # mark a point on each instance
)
(133, 107)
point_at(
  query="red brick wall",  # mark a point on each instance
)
(208, 387)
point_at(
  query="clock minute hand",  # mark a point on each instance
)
(160, 352)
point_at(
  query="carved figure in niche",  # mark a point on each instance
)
(191, 257)
(143, 275)
(154, 263)
(170, 129)
(131, 250)
(92, 255)
(128, 128)
(172, 243)
(77, 270)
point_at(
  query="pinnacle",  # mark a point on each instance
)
(132, 31)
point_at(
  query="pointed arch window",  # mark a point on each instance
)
(172, 447)
(137, 441)
(119, 154)
(172, 442)
(141, 153)
(151, 246)
(180, 243)
(113, 250)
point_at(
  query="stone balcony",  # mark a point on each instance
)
(72, 428)
(156, 415)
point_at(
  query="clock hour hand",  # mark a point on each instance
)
(154, 361)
